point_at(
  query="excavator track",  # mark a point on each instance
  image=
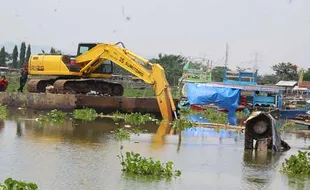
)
(39, 85)
(76, 86)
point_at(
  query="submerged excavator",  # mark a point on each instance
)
(93, 63)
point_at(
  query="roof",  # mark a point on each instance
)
(286, 83)
(300, 89)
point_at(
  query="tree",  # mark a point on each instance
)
(286, 71)
(218, 73)
(268, 79)
(28, 53)
(173, 65)
(22, 54)
(15, 57)
(54, 51)
(8, 57)
(2, 57)
(307, 75)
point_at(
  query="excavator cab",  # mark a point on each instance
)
(84, 47)
(105, 68)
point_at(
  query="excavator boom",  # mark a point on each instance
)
(96, 56)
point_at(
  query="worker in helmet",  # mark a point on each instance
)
(23, 78)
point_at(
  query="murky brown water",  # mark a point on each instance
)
(82, 155)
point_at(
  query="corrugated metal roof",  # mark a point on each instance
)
(299, 88)
(286, 83)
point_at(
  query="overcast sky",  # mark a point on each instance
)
(277, 29)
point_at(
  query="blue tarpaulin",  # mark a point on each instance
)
(226, 98)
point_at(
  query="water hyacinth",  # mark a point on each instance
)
(134, 163)
(53, 117)
(3, 111)
(297, 164)
(11, 184)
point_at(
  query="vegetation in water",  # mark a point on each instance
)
(122, 134)
(134, 163)
(215, 116)
(86, 114)
(288, 125)
(210, 114)
(3, 111)
(53, 117)
(11, 184)
(182, 124)
(133, 118)
(297, 164)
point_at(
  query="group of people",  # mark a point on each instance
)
(22, 80)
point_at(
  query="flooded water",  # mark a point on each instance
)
(83, 155)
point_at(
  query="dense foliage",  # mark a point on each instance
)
(173, 65)
(11, 59)
(286, 71)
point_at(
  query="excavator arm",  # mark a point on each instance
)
(129, 61)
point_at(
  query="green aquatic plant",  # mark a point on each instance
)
(138, 118)
(86, 114)
(210, 114)
(288, 125)
(133, 118)
(122, 134)
(11, 184)
(214, 116)
(54, 117)
(117, 116)
(134, 163)
(3, 111)
(181, 124)
(297, 164)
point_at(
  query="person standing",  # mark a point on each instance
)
(23, 78)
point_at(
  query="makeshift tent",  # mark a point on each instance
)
(226, 98)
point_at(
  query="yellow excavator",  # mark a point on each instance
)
(86, 71)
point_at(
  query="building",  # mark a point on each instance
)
(288, 85)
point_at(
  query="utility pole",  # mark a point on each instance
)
(226, 63)
(226, 56)
(256, 60)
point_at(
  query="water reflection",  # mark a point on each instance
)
(79, 155)
(1, 126)
(19, 130)
(258, 167)
(158, 139)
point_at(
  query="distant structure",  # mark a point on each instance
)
(192, 74)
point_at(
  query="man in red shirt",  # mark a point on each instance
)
(3, 83)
